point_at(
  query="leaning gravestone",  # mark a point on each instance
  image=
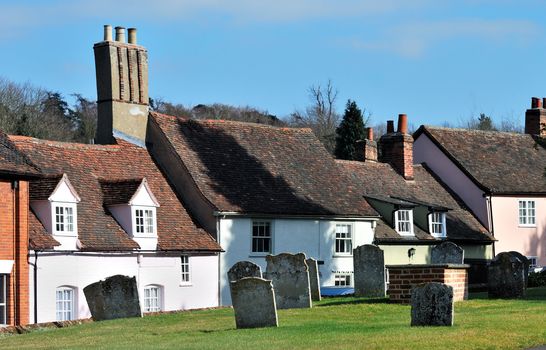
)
(253, 301)
(290, 277)
(525, 262)
(115, 297)
(314, 280)
(506, 277)
(447, 253)
(244, 269)
(369, 271)
(432, 304)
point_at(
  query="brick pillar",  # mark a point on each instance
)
(21, 260)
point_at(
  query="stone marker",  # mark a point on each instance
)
(432, 304)
(244, 269)
(290, 277)
(525, 262)
(447, 253)
(314, 279)
(115, 297)
(253, 301)
(506, 277)
(369, 271)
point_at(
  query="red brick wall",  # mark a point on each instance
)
(14, 246)
(402, 278)
(397, 149)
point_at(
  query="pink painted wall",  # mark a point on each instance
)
(424, 150)
(529, 241)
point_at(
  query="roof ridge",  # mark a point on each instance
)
(433, 127)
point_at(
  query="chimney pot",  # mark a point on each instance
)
(120, 34)
(535, 102)
(390, 126)
(107, 32)
(402, 123)
(370, 134)
(132, 36)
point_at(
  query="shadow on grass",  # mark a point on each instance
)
(538, 294)
(333, 301)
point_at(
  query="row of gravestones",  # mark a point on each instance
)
(291, 281)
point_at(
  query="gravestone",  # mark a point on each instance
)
(253, 301)
(290, 277)
(447, 253)
(115, 297)
(369, 271)
(432, 304)
(243, 269)
(314, 279)
(525, 262)
(506, 277)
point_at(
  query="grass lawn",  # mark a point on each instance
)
(336, 323)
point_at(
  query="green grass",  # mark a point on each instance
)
(337, 323)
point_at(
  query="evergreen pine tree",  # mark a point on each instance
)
(350, 130)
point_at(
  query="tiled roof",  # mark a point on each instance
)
(254, 168)
(118, 191)
(12, 162)
(38, 236)
(41, 189)
(380, 179)
(85, 165)
(498, 161)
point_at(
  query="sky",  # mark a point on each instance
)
(436, 61)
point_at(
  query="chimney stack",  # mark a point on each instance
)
(366, 150)
(122, 88)
(397, 148)
(535, 118)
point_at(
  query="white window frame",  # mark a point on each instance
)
(65, 313)
(345, 241)
(148, 214)
(397, 221)
(185, 270)
(441, 221)
(531, 258)
(65, 218)
(526, 217)
(259, 223)
(4, 299)
(340, 280)
(148, 298)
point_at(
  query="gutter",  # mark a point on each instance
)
(295, 216)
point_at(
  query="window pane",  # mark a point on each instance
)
(261, 237)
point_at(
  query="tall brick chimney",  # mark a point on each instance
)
(535, 118)
(397, 147)
(122, 88)
(366, 150)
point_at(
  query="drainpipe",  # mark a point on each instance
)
(219, 262)
(35, 286)
(15, 277)
(489, 199)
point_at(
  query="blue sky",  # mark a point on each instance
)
(434, 60)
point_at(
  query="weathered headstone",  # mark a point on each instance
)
(243, 269)
(526, 264)
(432, 304)
(447, 253)
(115, 297)
(253, 301)
(369, 271)
(314, 280)
(290, 277)
(505, 278)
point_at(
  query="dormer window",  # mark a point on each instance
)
(437, 224)
(64, 218)
(403, 221)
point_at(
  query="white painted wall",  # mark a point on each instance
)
(425, 151)
(315, 238)
(80, 269)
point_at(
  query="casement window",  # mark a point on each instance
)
(403, 220)
(65, 303)
(185, 268)
(65, 222)
(527, 213)
(342, 280)
(152, 298)
(144, 221)
(4, 300)
(437, 224)
(344, 239)
(261, 237)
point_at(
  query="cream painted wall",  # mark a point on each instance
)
(315, 238)
(398, 254)
(80, 269)
(529, 241)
